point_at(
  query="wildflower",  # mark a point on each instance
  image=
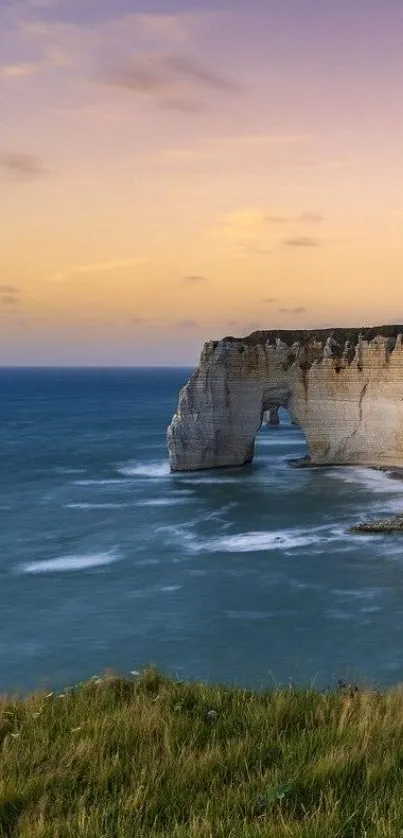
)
(212, 715)
(15, 735)
(75, 729)
(61, 695)
(49, 695)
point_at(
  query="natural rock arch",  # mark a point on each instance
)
(343, 387)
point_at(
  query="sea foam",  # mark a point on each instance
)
(164, 502)
(72, 562)
(93, 506)
(250, 542)
(371, 479)
(154, 469)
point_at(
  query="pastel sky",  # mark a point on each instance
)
(173, 171)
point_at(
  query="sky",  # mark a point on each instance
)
(174, 171)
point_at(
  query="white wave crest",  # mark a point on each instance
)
(90, 506)
(110, 482)
(372, 479)
(73, 562)
(255, 541)
(163, 502)
(135, 469)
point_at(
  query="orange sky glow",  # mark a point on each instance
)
(174, 172)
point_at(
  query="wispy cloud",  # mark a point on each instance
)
(22, 166)
(171, 81)
(97, 267)
(10, 289)
(194, 280)
(301, 241)
(20, 70)
(187, 324)
(296, 310)
(310, 217)
(9, 300)
(270, 300)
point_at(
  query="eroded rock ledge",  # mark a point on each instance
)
(343, 387)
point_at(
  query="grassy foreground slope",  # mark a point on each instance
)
(152, 757)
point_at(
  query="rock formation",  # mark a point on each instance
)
(343, 387)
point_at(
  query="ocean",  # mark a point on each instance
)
(248, 577)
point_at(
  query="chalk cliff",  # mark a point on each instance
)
(343, 387)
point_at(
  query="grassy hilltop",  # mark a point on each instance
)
(116, 758)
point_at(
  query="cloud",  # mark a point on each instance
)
(297, 310)
(171, 81)
(301, 241)
(20, 70)
(98, 267)
(310, 217)
(9, 300)
(10, 289)
(270, 300)
(194, 280)
(190, 68)
(22, 166)
(135, 321)
(303, 217)
(187, 324)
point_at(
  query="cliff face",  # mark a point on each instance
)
(343, 387)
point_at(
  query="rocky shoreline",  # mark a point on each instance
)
(383, 525)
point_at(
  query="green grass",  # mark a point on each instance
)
(144, 757)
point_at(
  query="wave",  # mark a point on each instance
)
(154, 469)
(376, 481)
(163, 502)
(90, 506)
(112, 481)
(257, 541)
(254, 541)
(361, 593)
(218, 479)
(72, 562)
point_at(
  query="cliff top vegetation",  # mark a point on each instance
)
(148, 756)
